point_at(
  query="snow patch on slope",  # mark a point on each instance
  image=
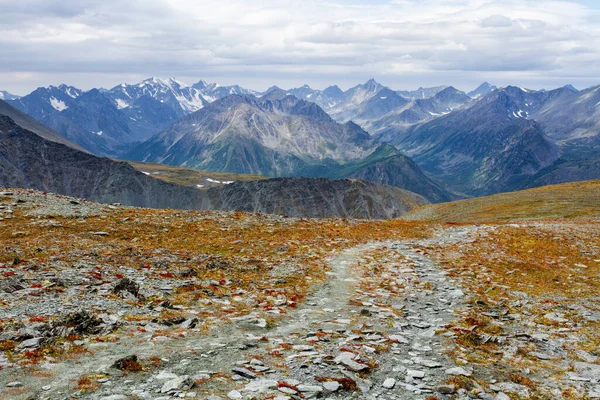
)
(58, 105)
(121, 104)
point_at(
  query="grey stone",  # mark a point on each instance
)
(246, 373)
(587, 357)
(302, 347)
(260, 385)
(389, 383)
(331, 386)
(234, 395)
(32, 343)
(445, 389)
(457, 371)
(347, 359)
(415, 374)
(180, 383)
(309, 388)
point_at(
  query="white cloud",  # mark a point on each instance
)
(333, 41)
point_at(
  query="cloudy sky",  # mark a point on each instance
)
(401, 43)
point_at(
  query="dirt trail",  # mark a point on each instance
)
(394, 333)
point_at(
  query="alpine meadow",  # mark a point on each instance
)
(379, 200)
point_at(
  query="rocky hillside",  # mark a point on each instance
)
(30, 124)
(30, 161)
(315, 198)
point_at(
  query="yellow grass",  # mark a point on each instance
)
(569, 200)
(555, 264)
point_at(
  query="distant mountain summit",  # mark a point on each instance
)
(334, 92)
(214, 91)
(46, 101)
(178, 96)
(482, 90)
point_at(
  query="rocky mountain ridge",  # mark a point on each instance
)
(512, 138)
(30, 161)
(31, 124)
(112, 122)
(4, 95)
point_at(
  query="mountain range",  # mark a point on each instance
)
(513, 138)
(104, 120)
(280, 135)
(482, 142)
(37, 158)
(482, 149)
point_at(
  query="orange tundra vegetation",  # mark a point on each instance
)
(545, 273)
(236, 252)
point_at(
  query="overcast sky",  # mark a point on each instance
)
(401, 43)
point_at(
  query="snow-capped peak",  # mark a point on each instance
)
(168, 91)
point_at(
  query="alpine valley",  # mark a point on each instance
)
(432, 233)
(440, 143)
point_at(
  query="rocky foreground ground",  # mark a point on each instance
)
(110, 302)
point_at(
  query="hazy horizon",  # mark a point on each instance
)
(403, 44)
(190, 81)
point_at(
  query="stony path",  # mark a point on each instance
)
(373, 325)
